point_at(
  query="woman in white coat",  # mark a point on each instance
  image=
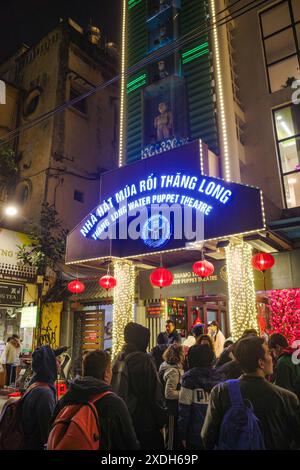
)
(217, 337)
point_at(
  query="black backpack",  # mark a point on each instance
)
(120, 382)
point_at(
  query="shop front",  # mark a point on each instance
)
(18, 293)
(150, 215)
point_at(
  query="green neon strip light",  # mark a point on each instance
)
(195, 49)
(138, 85)
(138, 79)
(195, 56)
(133, 3)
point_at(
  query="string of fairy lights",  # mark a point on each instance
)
(241, 289)
(123, 308)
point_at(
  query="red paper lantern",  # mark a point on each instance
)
(107, 282)
(76, 287)
(161, 277)
(263, 261)
(203, 268)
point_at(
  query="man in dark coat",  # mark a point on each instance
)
(39, 403)
(135, 379)
(277, 409)
(116, 429)
(172, 334)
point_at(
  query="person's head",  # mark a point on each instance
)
(198, 330)
(15, 337)
(228, 343)
(200, 355)
(206, 339)
(174, 355)
(277, 343)
(213, 327)
(253, 355)
(97, 364)
(249, 332)
(44, 364)
(161, 338)
(170, 326)
(137, 335)
(162, 108)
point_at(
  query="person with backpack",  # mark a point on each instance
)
(196, 386)
(287, 373)
(170, 373)
(90, 400)
(157, 352)
(251, 413)
(25, 422)
(135, 379)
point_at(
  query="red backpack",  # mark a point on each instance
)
(76, 427)
(12, 435)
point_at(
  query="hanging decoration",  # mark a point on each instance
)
(124, 297)
(241, 289)
(262, 262)
(161, 277)
(203, 269)
(107, 282)
(284, 316)
(76, 287)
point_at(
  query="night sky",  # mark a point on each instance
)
(25, 21)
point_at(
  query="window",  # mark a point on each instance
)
(287, 125)
(79, 196)
(32, 101)
(80, 105)
(280, 27)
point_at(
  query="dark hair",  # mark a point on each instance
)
(214, 323)
(200, 355)
(8, 339)
(249, 332)
(95, 363)
(174, 355)
(15, 337)
(276, 339)
(206, 338)
(248, 351)
(227, 343)
(170, 321)
(161, 338)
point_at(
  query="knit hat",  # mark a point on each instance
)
(137, 335)
(198, 330)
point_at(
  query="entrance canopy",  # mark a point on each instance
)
(163, 204)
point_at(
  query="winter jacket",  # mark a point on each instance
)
(218, 340)
(170, 376)
(173, 337)
(277, 409)
(116, 426)
(287, 374)
(196, 386)
(148, 414)
(39, 404)
(231, 370)
(157, 354)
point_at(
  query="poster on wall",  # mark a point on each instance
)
(10, 267)
(108, 326)
(50, 331)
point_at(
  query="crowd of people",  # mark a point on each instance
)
(181, 395)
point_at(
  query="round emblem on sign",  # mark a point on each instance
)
(224, 274)
(156, 232)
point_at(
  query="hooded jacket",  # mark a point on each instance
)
(197, 384)
(170, 376)
(287, 374)
(277, 410)
(38, 405)
(116, 427)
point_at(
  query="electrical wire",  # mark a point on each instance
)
(152, 58)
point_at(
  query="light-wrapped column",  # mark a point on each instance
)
(123, 309)
(241, 290)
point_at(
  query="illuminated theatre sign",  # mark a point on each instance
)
(163, 203)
